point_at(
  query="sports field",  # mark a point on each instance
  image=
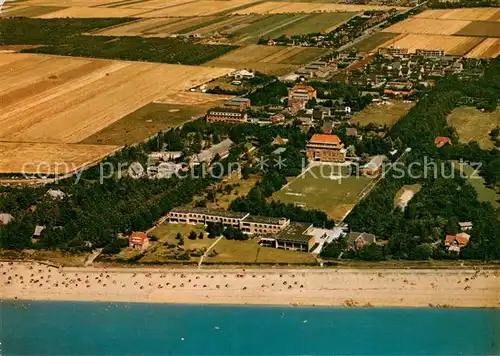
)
(327, 188)
(474, 125)
(384, 113)
(268, 59)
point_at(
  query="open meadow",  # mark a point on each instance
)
(474, 125)
(325, 187)
(484, 193)
(65, 100)
(383, 113)
(268, 59)
(372, 42)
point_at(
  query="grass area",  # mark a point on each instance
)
(313, 23)
(320, 188)
(370, 43)
(250, 251)
(64, 37)
(31, 11)
(223, 200)
(484, 193)
(251, 33)
(305, 56)
(474, 125)
(147, 121)
(385, 113)
(166, 233)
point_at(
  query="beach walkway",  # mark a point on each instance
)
(208, 250)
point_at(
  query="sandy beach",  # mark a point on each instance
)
(454, 287)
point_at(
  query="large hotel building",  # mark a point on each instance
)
(325, 148)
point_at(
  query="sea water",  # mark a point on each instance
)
(68, 328)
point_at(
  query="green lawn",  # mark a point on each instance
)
(370, 43)
(317, 190)
(483, 192)
(474, 125)
(385, 113)
(147, 121)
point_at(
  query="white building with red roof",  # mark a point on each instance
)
(138, 240)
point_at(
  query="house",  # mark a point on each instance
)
(226, 114)
(55, 194)
(279, 151)
(455, 243)
(325, 148)
(5, 219)
(327, 127)
(465, 225)
(238, 103)
(306, 123)
(277, 118)
(138, 240)
(206, 156)
(279, 141)
(302, 92)
(164, 156)
(374, 166)
(320, 112)
(295, 236)
(165, 170)
(351, 131)
(441, 141)
(358, 240)
(38, 232)
(242, 74)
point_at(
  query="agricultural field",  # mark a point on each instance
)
(372, 42)
(49, 158)
(28, 11)
(452, 45)
(268, 59)
(474, 125)
(489, 48)
(384, 113)
(65, 100)
(471, 14)
(481, 29)
(429, 26)
(280, 7)
(325, 187)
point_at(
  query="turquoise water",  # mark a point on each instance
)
(59, 328)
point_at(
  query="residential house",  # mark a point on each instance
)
(164, 156)
(301, 93)
(5, 219)
(242, 74)
(139, 240)
(327, 127)
(358, 240)
(441, 141)
(374, 166)
(321, 112)
(220, 149)
(279, 141)
(238, 103)
(326, 148)
(465, 225)
(351, 131)
(454, 243)
(226, 114)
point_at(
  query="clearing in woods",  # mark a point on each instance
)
(383, 113)
(326, 187)
(474, 125)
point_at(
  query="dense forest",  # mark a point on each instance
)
(66, 37)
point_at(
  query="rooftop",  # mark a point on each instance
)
(325, 138)
(295, 232)
(366, 237)
(211, 212)
(265, 220)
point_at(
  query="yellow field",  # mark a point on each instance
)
(52, 102)
(452, 45)
(60, 99)
(49, 158)
(94, 12)
(198, 8)
(428, 26)
(470, 14)
(489, 48)
(275, 7)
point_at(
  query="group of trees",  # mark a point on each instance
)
(66, 37)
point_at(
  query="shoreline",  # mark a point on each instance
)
(348, 287)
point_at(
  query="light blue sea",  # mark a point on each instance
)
(64, 328)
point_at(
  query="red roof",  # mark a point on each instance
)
(325, 138)
(440, 141)
(303, 87)
(140, 235)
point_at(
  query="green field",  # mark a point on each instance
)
(146, 122)
(474, 125)
(385, 113)
(370, 43)
(483, 192)
(320, 188)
